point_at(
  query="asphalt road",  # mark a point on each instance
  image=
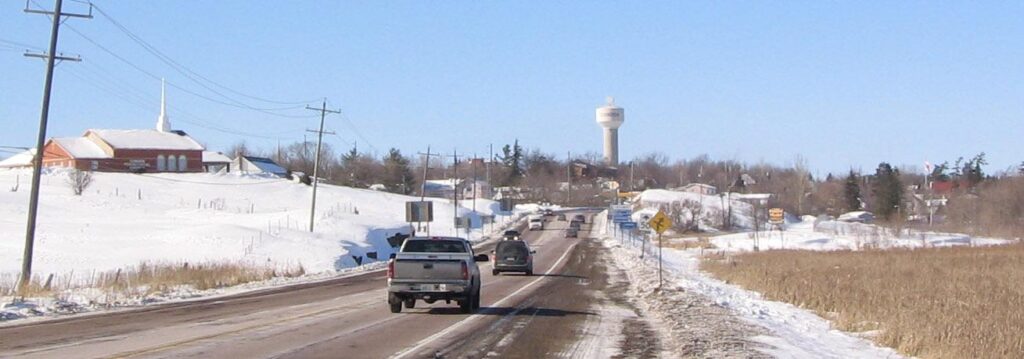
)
(342, 318)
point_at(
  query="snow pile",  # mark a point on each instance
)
(711, 207)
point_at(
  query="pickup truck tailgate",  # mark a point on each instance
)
(428, 267)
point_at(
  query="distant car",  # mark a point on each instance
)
(572, 233)
(548, 212)
(512, 256)
(536, 223)
(575, 224)
(561, 217)
(511, 235)
(580, 218)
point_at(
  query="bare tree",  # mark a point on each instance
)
(79, 180)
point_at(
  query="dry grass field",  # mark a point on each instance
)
(932, 303)
(147, 278)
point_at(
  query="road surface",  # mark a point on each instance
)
(521, 316)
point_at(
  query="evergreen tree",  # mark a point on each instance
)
(972, 169)
(512, 158)
(887, 189)
(851, 192)
(398, 177)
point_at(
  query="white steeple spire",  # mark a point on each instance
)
(162, 124)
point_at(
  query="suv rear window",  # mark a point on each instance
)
(511, 248)
(434, 246)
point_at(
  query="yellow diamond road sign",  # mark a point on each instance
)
(660, 223)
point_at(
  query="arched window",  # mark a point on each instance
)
(161, 165)
(182, 163)
(172, 164)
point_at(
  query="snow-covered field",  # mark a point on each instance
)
(125, 219)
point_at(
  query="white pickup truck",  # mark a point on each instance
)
(432, 269)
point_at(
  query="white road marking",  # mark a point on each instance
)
(422, 343)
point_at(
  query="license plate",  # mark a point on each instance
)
(433, 287)
(510, 259)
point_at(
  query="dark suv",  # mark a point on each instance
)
(513, 256)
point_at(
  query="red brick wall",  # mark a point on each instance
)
(54, 156)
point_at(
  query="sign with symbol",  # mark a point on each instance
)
(660, 223)
(776, 215)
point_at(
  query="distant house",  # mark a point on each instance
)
(442, 188)
(482, 189)
(857, 217)
(699, 188)
(257, 165)
(22, 159)
(214, 162)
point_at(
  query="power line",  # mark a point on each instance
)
(186, 90)
(190, 74)
(22, 44)
(138, 102)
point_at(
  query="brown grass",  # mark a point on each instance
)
(147, 278)
(934, 303)
(687, 243)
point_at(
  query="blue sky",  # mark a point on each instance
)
(844, 84)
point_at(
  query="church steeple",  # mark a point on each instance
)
(162, 123)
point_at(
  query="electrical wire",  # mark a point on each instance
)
(190, 74)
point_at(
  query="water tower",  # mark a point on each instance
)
(610, 117)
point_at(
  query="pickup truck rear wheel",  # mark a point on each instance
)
(494, 272)
(410, 303)
(466, 305)
(396, 307)
(476, 300)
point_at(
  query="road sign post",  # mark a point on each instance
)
(777, 217)
(660, 223)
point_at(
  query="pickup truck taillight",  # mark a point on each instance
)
(391, 269)
(465, 271)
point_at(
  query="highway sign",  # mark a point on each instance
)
(487, 219)
(417, 211)
(660, 223)
(621, 213)
(627, 225)
(776, 215)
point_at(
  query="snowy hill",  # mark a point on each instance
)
(125, 219)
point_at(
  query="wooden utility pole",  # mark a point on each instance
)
(423, 184)
(316, 162)
(568, 178)
(37, 160)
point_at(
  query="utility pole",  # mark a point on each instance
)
(474, 182)
(423, 184)
(37, 160)
(490, 149)
(455, 187)
(316, 162)
(568, 178)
